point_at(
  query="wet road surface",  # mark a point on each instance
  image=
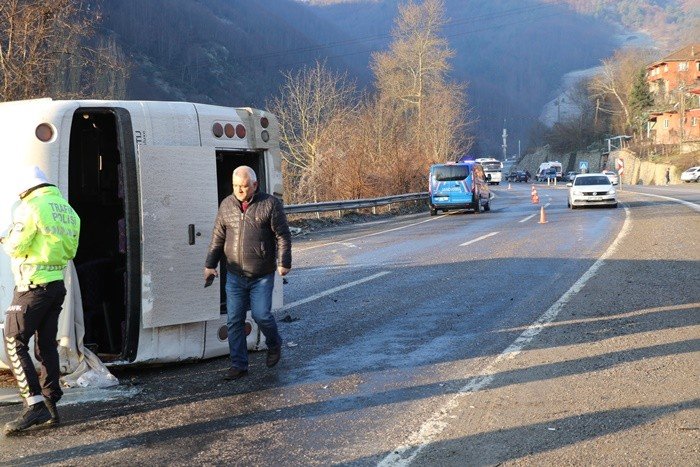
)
(413, 340)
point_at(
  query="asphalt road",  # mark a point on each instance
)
(458, 339)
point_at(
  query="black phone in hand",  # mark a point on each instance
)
(209, 280)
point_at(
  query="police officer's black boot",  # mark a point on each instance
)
(35, 414)
(51, 406)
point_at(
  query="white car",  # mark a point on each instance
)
(614, 179)
(691, 175)
(591, 190)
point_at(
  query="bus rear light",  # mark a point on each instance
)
(217, 129)
(229, 130)
(264, 122)
(240, 131)
(265, 136)
(44, 132)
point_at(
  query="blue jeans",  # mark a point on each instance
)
(242, 294)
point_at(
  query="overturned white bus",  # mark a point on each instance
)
(146, 179)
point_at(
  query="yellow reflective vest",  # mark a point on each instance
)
(43, 237)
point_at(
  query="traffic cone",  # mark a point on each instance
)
(533, 196)
(509, 185)
(543, 216)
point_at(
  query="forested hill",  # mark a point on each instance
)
(227, 52)
(512, 53)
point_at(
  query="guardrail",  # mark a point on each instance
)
(353, 203)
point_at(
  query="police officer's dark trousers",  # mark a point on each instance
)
(34, 312)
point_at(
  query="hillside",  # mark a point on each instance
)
(228, 52)
(512, 53)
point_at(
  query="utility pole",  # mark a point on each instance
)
(505, 141)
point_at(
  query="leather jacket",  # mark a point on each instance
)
(254, 242)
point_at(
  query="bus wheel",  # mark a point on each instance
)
(433, 211)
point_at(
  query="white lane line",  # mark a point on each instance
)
(368, 235)
(333, 290)
(532, 215)
(479, 238)
(693, 206)
(436, 424)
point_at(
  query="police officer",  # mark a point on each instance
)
(42, 239)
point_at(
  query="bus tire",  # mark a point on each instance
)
(433, 211)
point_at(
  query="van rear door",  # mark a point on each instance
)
(178, 207)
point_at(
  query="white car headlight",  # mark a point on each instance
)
(577, 192)
(612, 191)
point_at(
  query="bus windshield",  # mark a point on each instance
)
(491, 166)
(445, 173)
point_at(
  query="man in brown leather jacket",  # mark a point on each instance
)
(251, 231)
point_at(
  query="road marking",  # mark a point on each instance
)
(694, 206)
(531, 215)
(480, 238)
(436, 424)
(369, 235)
(333, 290)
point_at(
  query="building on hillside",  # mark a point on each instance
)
(675, 83)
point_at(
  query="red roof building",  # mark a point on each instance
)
(675, 81)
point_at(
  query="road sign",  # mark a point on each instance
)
(620, 165)
(583, 166)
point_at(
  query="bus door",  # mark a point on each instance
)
(178, 187)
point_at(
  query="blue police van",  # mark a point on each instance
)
(461, 185)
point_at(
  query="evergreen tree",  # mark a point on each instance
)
(641, 100)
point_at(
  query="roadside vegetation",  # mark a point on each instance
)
(50, 49)
(341, 144)
(617, 101)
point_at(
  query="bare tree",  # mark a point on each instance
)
(430, 113)
(614, 84)
(42, 51)
(417, 60)
(313, 103)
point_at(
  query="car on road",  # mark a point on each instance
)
(614, 179)
(522, 176)
(691, 175)
(571, 175)
(594, 189)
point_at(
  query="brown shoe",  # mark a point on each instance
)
(234, 373)
(273, 356)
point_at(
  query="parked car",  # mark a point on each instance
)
(691, 175)
(594, 189)
(614, 179)
(547, 174)
(571, 175)
(518, 176)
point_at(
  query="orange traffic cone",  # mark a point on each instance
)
(543, 216)
(534, 196)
